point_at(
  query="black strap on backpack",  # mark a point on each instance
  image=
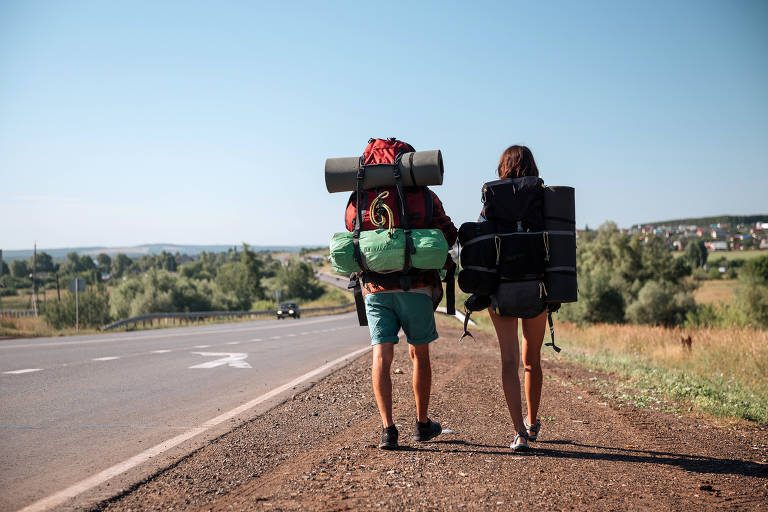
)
(405, 279)
(450, 287)
(551, 332)
(354, 279)
(466, 333)
(358, 255)
(357, 291)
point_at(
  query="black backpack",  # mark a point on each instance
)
(503, 256)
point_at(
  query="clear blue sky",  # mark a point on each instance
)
(209, 122)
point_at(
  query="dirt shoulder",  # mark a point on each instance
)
(316, 451)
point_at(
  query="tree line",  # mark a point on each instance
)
(120, 286)
(626, 278)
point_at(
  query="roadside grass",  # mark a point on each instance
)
(24, 299)
(31, 327)
(723, 374)
(714, 291)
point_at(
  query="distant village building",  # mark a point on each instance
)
(717, 245)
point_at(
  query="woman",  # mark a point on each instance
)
(516, 162)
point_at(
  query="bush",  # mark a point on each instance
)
(240, 286)
(297, 281)
(159, 291)
(660, 303)
(751, 302)
(94, 310)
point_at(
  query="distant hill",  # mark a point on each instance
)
(141, 250)
(706, 221)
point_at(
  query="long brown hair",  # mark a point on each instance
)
(516, 162)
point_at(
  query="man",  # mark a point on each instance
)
(403, 301)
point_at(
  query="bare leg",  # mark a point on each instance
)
(382, 380)
(506, 331)
(533, 337)
(422, 379)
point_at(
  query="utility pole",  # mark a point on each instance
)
(34, 279)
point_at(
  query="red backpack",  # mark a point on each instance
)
(418, 200)
(411, 208)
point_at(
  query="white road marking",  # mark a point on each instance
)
(111, 472)
(108, 358)
(202, 346)
(233, 343)
(275, 337)
(25, 370)
(303, 333)
(290, 335)
(200, 331)
(163, 351)
(257, 339)
(235, 360)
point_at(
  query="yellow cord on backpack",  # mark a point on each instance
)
(379, 220)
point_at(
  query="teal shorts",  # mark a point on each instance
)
(389, 311)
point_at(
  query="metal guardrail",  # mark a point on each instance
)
(198, 316)
(17, 313)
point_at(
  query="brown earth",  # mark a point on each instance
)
(316, 451)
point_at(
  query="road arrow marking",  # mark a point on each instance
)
(233, 359)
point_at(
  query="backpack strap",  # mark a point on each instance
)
(429, 207)
(358, 255)
(405, 280)
(467, 312)
(551, 332)
(357, 291)
(450, 287)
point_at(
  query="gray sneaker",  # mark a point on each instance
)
(520, 443)
(533, 430)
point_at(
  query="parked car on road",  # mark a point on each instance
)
(288, 309)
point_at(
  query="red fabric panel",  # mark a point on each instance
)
(384, 151)
(415, 205)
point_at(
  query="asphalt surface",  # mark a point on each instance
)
(71, 407)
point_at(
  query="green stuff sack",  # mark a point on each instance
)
(384, 251)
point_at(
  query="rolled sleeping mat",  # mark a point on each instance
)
(478, 273)
(561, 286)
(478, 280)
(559, 209)
(419, 168)
(560, 222)
(560, 270)
(562, 249)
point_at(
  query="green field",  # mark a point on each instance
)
(731, 255)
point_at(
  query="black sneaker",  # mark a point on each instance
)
(389, 438)
(426, 431)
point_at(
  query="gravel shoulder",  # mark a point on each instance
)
(316, 451)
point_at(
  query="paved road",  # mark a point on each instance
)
(71, 407)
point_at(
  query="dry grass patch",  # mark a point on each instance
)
(725, 371)
(716, 291)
